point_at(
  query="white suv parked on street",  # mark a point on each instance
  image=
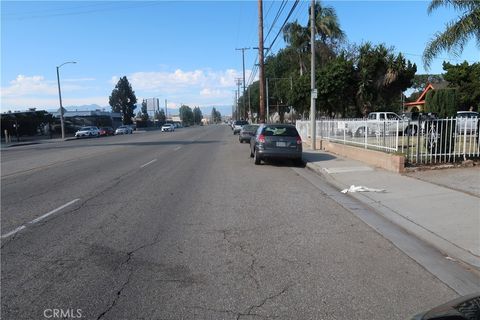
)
(87, 132)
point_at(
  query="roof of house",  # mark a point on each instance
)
(430, 86)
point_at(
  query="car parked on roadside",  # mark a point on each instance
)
(237, 125)
(467, 122)
(247, 132)
(124, 130)
(168, 127)
(106, 131)
(89, 131)
(276, 141)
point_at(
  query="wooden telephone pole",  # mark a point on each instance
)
(260, 61)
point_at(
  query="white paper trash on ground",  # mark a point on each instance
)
(354, 188)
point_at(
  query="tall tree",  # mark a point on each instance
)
(144, 115)
(442, 102)
(336, 88)
(458, 32)
(382, 77)
(327, 25)
(186, 115)
(466, 79)
(123, 100)
(197, 115)
(216, 116)
(160, 116)
(328, 32)
(297, 37)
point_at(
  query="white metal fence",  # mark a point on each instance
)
(422, 142)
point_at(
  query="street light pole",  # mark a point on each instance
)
(313, 91)
(62, 123)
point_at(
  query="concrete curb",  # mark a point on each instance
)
(447, 248)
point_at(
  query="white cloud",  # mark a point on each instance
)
(215, 93)
(78, 80)
(29, 86)
(22, 103)
(179, 79)
(199, 87)
(33, 85)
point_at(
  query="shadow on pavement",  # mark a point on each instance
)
(137, 143)
(315, 156)
(283, 163)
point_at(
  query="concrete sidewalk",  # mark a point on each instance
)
(447, 218)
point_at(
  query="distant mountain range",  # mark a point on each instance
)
(206, 111)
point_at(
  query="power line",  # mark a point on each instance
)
(268, 10)
(82, 12)
(436, 58)
(284, 23)
(279, 12)
(255, 66)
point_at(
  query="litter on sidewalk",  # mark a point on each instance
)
(354, 188)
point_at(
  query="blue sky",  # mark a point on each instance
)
(182, 51)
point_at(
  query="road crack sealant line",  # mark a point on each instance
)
(252, 273)
(131, 271)
(248, 311)
(262, 303)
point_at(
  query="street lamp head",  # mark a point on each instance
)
(66, 63)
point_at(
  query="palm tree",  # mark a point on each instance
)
(327, 26)
(457, 32)
(327, 29)
(297, 37)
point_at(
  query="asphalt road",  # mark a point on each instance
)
(183, 225)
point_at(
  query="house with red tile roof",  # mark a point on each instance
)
(419, 104)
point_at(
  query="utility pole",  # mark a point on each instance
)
(243, 62)
(238, 81)
(166, 110)
(250, 104)
(236, 104)
(313, 92)
(260, 60)
(267, 115)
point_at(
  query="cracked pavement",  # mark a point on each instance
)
(202, 233)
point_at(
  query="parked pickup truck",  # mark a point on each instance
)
(379, 123)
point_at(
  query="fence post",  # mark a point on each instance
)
(408, 137)
(396, 136)
(465, 141)
(419, 132)
(365, 133)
